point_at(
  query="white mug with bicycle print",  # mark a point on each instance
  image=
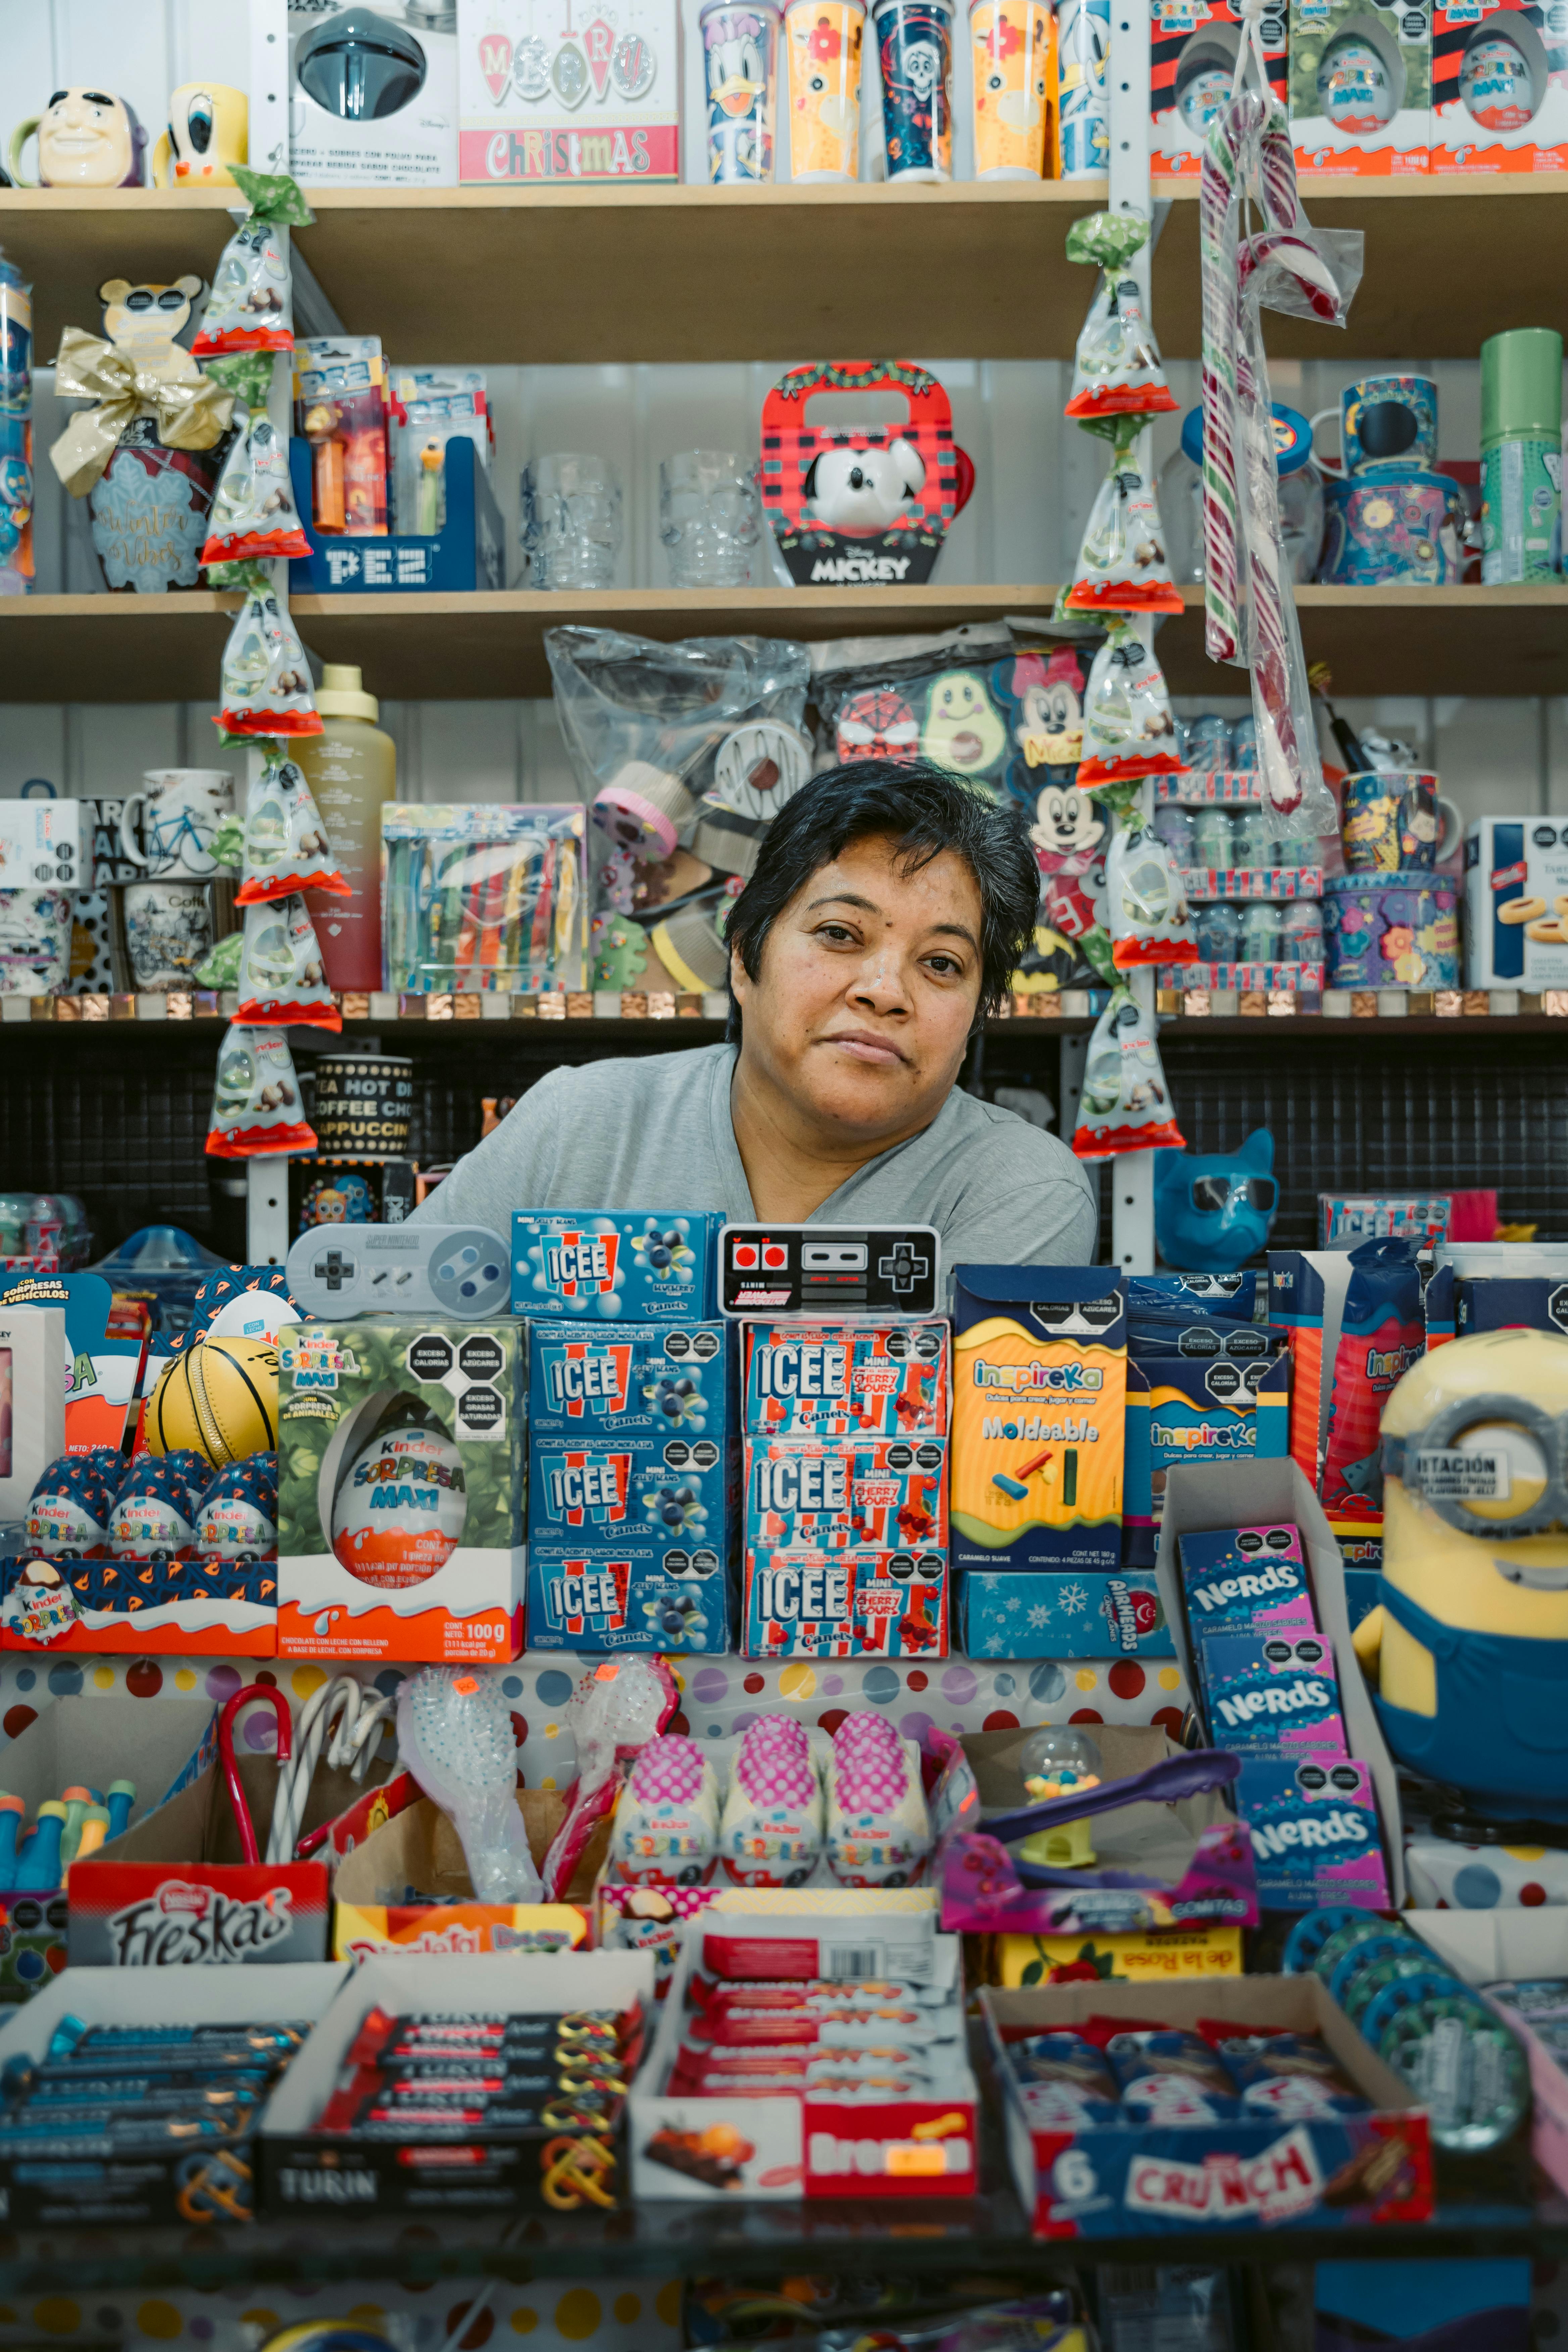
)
(181, 811)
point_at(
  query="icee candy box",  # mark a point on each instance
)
(837, 1494)
(642, 1265)
(845, 1379)
(647, 1381)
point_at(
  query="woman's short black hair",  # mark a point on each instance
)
(924, 810)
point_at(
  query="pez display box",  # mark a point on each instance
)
(1019, 1614)
(844, 1604)
(543, 99)
(1272, 1694)
(1180, 1411)
(844, 1380)
(681, 1497)
(1039, 1382)
(1516, 869)
(1246, 1580)
(643, 1383)
(1315, 1833)
(1360, 83)
(209, 2186)
(1499, 87)
(32, 1374)
(1191, 58)
(1119, 2178)
(653, 1265)
(839, 1494)
(624, 1598)
(399, 1491)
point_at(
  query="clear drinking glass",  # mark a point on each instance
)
(571, 520)
(709, 517)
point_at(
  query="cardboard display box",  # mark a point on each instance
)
(1114, 2181)
(539, 2172)
(418, 1852)
(211, 2186)
(130, 1608)
(1401, 39)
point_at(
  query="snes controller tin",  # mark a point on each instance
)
(463, 1271)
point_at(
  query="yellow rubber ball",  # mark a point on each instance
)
(219, 1396)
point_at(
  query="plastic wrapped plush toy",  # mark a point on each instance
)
(1125, 1105)
(1145, 903)
(254, 517)
(255, 1097)
(1118, 371)
(251, 307)
(1211, 1214)
(266, 680)
(286, 846)
(1121, 565)
(1128, 727)
(280, 975)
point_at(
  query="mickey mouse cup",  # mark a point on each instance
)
(824, 39)
(1011, 40)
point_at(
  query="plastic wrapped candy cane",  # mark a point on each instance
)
(280, 977)
(1125, 1105)
(1128, 728)
(1121, 565)
(1117, 370)
(251, 307)
(1150, 921)
(613, 1714)
(254, 518)
(265, 681)
(1250, 610)
(255, 1097)
(286, 846)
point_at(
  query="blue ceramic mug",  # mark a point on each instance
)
(1392, 523)
(1397, 822)
(1384, 420)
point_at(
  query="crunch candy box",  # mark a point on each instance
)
(1246, 1580)
(650, 1265)
(1039, 1389)
(844, 1604)
(649, 1382)
(835, 1493)
(845, 1379)
(1273, 1693)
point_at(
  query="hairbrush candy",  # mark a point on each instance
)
(282, 978)
(286, 847)
(455, 1735)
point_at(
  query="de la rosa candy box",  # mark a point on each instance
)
(845, 1604)
(845, 1379)
(1119, 2178)
(648, 1266)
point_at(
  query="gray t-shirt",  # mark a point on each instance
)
(656, 1133)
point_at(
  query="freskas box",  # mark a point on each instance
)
(651, 1267)
(644, 1382)
(845, 1379)
(400, 1490)
(1516, 870)
(1191, 58)
(807, 1494)
(1360, 86)
(679, 1497)
(845, 1604)
(547, 96)
(1499, 87)
(626, 1597)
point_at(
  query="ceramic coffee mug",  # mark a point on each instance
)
(181, 810)
(1397, 823)
(168, 931)
(1383, 418)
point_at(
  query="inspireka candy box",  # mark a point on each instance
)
(834, 1494)
(1273, 1693)
(646, 1382)
(647, 1266)
(845, 1604)
(845, 1379)
(1246, 1580)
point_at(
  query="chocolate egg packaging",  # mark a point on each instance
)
(286, 846)
(280, 975)
(1499, 87)
(1361, 85)
(400, 1490)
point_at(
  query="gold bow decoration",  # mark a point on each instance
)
(192, 411)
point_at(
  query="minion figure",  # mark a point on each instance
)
(1467, 1651)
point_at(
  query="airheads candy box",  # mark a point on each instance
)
(834, 1494)
(1272, 1693)
(845, 1604)
(845, 1379)
(676, 1497)
(1315, 1836)
(1246, 1580)
(648, 1266)
(646, 1382)
(624, 1598)
(1183, 1410)
(1039, 1386)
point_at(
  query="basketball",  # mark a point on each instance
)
(219, 1396)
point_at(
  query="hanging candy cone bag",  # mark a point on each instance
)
(1128, 727)
(1117, 370)
(1122, 566)
(1125, 1105)
(280, 977)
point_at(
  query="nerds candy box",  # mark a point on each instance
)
(623, 1599)
(845, 1379)
(1315, 1835)
(839, 1494)
(651, 1265)
(645, 1381)
(1272, 1694)
(1246, 1580)
(599, 1496)
(845, 1604)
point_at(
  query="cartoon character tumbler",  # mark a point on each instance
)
(914, 51)
(1011, 40)
(824, 39)
(740, 46)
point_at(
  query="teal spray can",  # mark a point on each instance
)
(1522, 456)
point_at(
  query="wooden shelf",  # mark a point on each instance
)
(587, 273)
(127, 648)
